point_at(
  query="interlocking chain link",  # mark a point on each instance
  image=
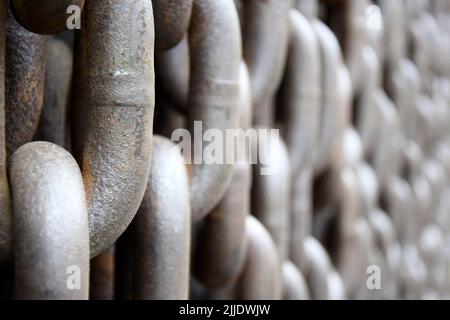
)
(105, 187)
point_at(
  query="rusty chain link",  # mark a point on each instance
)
(105, 189)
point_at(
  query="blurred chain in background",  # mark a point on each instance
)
(96, 203)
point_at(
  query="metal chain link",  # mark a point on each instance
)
(98, 202)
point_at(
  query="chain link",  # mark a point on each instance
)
(98, 203)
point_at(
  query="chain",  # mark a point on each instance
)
(107, 190)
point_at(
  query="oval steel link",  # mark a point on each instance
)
(45, 16)
(51, 247)
(301, 93)
(265, 37)
(222, 246)
(349, 201)
(294, 285)
(215, 48)
(270, 194)
(119, 114)
(172, 19)
(262, 275)
(162, 227)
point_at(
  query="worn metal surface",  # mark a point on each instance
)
(58, 73)
(215, 50)
(44, 16)
(50, 224)
(25, 77)
(5, 208)
(120, 103)
(222, 246)
(172, 19)
(352, 194)
(162, 228)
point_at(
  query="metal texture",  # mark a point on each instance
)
(162, 228)
(215, 50)
(44, 16)
(270, 195)
(222, 246)
(50, 224)
(25, 77)
(265, 34)
(52, 124)
(119, 115)
(5, 208)
(330, 60)
(172, 19)
(294, 285)
(262, 275)
(301, 93)
(350, 200)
